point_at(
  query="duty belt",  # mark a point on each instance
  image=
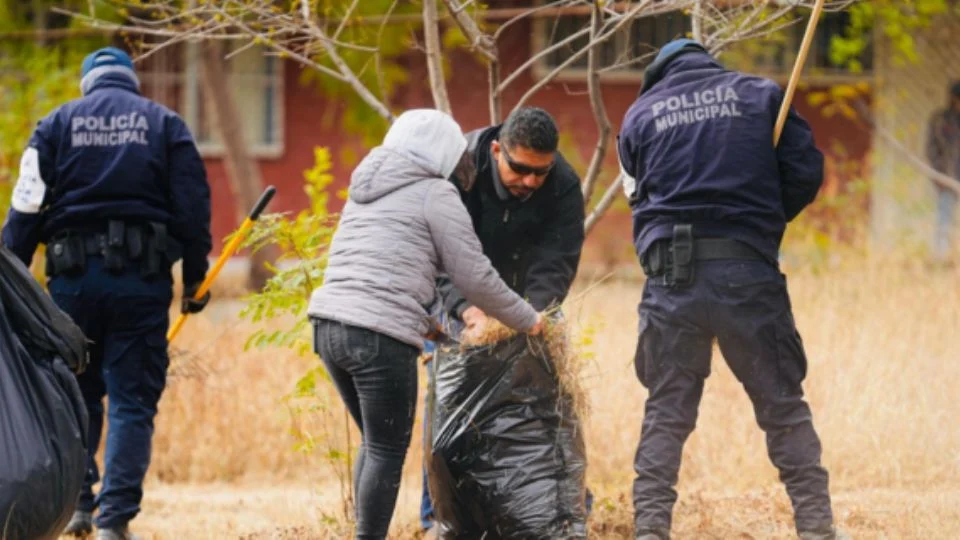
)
(673, 259)
(146, 246)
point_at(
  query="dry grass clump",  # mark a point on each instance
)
(493, 331)
(565, 358)
(222, 414)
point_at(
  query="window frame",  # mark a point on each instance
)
(178, 77)
(214, 149)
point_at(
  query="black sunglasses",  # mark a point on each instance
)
(523, 169)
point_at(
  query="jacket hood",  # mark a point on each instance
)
(691, 56)
(428, 137)
(421, 144)
(110, 79)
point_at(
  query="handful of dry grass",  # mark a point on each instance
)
(568, 363)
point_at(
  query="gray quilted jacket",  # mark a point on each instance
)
(403, 224)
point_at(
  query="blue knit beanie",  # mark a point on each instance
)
(103, 61)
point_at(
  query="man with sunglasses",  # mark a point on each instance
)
(528, 211)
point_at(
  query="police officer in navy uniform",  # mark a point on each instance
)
(113, 184)
(710, 197)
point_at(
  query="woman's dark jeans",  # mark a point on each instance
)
(377, 377)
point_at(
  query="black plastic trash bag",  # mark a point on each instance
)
(43, 328)
(43, 421)
(505, 453)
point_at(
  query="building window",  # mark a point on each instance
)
(775, 55)
(172, 77)
(631, 50)
(627, 53)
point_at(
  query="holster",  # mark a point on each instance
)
(160, 251)
(155, 256)
(672, 260)
(114, 248)
(682, 249)
(66, 255)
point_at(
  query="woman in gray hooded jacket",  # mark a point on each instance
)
(403, 224)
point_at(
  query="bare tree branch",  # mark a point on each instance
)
(465, 6)
(697, 21)
(350, 77)
(496, 101)
(305, 10)
(636, 60)
(381, 82)
(255, 23)
(617, 22)
(605, 202)
(487, 46)
(542, 54)
(321, 42)
(241, 49)
(431, 35)
(599, 110)
(533, 12)
(625, 19)
(345, 20)
(478, 39)
(208, 30)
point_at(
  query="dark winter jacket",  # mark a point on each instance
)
(534, 244)
(112, 155)
(697, 146)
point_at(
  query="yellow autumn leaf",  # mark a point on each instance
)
(816, 99)
(843, 91)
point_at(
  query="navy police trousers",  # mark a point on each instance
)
(126, 318)
(744, 305)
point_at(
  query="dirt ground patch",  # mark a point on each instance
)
(298, 512)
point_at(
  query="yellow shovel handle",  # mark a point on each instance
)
(797, 69)
(228, 252)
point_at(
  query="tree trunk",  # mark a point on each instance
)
(242, 170)
(431, 34)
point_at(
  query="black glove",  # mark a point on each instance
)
(188, 304)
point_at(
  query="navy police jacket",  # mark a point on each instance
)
(112, 154)
(697, 147)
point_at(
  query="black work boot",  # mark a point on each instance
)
(116, 533)
(80, 525)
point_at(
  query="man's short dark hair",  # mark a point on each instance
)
(530, 127)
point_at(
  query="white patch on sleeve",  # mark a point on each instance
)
(30, 189)
(629, 183)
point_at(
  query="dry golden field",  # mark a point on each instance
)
(883, 341)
